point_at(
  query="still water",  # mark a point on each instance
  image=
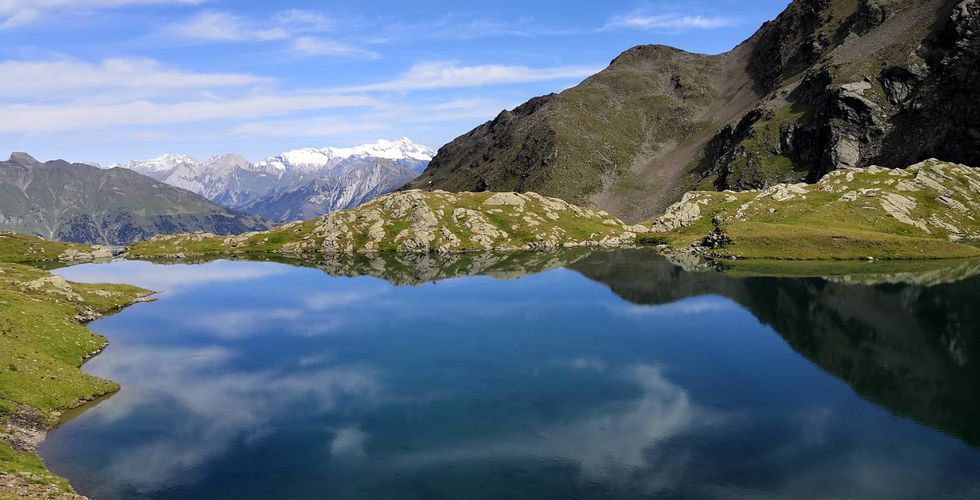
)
(612, 375)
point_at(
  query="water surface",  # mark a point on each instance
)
(616, 376)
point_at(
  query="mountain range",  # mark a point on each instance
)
(294, 185)
(827, 84)
(82, 203)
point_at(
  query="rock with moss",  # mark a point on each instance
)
(419, 222)
(928, 210)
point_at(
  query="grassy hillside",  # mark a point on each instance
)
(417, 222)
(16, 247)
(43, 342)
(926, 211)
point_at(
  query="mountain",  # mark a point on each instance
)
(353, 186)
(303, 183)
(81, 203)
(828, 83)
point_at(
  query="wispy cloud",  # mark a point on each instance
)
(224, 27)
(445, 75)
(143, 78)
(73, 116)
(300, 29)
(14, 13)
(669, 22)
(316, 46)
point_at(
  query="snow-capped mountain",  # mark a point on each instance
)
(349, 189)
(303, 183)
(403, 151)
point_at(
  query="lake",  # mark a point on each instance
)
(568, 375)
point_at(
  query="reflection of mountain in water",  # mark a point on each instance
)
(415, 269)
(912, 349)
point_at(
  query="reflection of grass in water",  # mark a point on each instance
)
(910, 271)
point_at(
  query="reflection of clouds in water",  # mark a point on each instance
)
(326, 301)
(614, 444)
(321, 313)
(231, 324)
(214, 407)
(686, 307)
(348, 443)
(585, 363)
(174, 277)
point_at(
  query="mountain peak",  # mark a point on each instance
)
(21, 157)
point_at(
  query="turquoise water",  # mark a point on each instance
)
(616, 376)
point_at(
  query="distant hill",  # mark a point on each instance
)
(828, 84)
(82, 203)
(294, 185)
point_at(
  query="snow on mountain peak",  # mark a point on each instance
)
(311, 159)
(161, 163)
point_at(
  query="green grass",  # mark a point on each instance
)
(777, 241)
(16, 462)
(15, 247)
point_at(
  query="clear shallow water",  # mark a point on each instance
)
(621, 376)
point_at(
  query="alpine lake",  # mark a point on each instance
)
(568, 375)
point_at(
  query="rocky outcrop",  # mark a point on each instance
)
(422, 222)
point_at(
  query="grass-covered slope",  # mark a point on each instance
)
(16, 247)
(930, 210)
(43, 342)
(418, 222)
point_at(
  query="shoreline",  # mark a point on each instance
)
(25, 426)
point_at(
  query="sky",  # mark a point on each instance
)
(116, 80)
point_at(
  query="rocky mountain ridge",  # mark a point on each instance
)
(294, 185)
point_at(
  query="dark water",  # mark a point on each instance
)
(618, 376)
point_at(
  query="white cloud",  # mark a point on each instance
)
(74, 117)
(667, 22)
(135, 77)
(311, 127)
(301, 21)
(444, 75)
(315, 46)
(224, 27)
(15, 13)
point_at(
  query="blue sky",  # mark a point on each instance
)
(114, 80)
